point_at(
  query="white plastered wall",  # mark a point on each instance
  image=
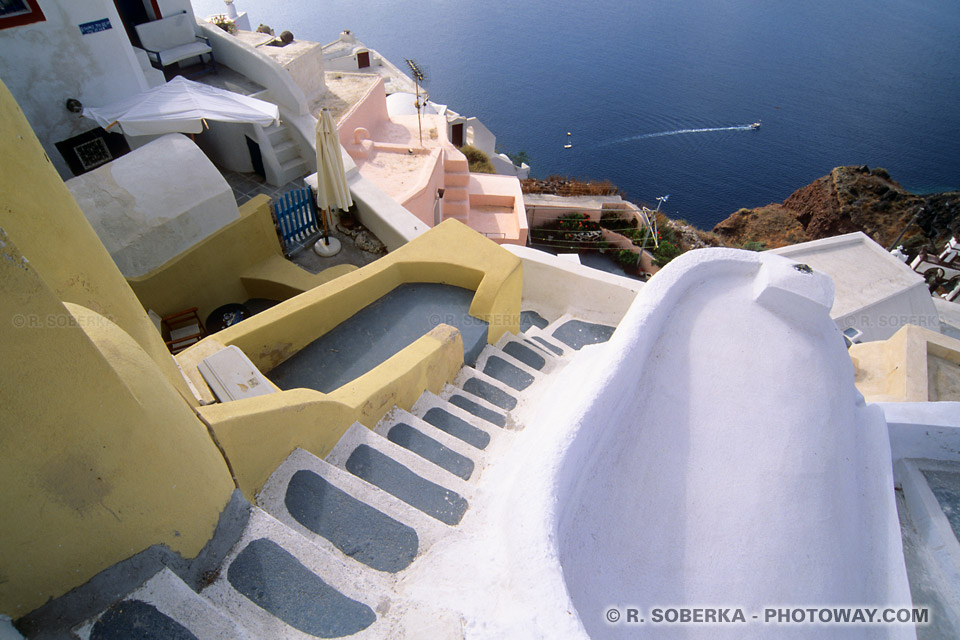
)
(154, 203)
(45, 63)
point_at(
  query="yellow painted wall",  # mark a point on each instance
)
(257, 434)
(913, 365)
(100, 455)
(450, 253)
(242, 260)
(48, 226)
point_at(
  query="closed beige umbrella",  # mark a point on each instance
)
(332, 189)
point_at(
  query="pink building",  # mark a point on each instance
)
(412, 160)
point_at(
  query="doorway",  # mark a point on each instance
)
(134, 12)
(256, 158)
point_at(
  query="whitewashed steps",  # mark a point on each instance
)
(345, 515)
(436, 446)
(163, 607)
(402, 473)
(278, 584)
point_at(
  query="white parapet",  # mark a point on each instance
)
(875, 293)
(714, 454)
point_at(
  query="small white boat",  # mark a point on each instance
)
(567, 146)
(756, 125)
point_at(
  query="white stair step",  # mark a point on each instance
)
(497, 437)
(286, 151)
(449, 390)
(398, 416)
(281, 568)
(541, 348)
(421, 484)
(490, 351)
(169, 595)
(460, 381)
(273, 499)
(527, 351)
(277, 134)
(358, 435)
(536, 334)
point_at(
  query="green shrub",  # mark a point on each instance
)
(479, 161)
(627, 258)
(754, 245)
(666, 252)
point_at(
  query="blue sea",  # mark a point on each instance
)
(656, 93)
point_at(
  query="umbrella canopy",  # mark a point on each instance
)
(332, 189)
(180, 106)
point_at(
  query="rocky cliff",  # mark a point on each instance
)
(848, 199)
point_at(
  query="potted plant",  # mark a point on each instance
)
(224, 23)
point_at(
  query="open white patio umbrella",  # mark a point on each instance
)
(332, 189)
(180, 106)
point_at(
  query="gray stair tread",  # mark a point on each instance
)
(490, 393)
(524, 354)
(579, 333)
(445, 505)
(478, 410)
(137, 619)
(428, 448)
(552, 347)
(507, 373)
(277, 582)
(354, 527)
(532, 319)
(457, 427)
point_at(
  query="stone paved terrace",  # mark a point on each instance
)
(343, 91)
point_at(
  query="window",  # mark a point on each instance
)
(15, 13)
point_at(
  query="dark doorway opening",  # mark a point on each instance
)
(134, 12)
(256, 157)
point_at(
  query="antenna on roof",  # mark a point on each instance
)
(418, 79)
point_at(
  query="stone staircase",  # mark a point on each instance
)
(331, 542)
(282, 158)
(456, 180)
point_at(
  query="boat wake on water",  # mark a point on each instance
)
(677, 132)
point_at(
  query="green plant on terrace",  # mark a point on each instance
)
(479, 161)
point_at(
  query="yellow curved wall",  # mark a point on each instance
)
(257, 434)
(100, 456)
(242, 260)
(51, 230)
(450, 253)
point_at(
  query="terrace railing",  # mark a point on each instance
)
(295, 215)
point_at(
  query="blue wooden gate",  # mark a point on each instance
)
(296, 217)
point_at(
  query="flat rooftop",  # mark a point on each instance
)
(863, 272)
(343, 91)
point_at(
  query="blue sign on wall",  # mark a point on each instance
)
(96, 26)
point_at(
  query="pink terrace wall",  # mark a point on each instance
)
(422, 202)
(369, 112)
(623, 242)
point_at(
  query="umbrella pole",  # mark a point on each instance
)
(326, 229)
